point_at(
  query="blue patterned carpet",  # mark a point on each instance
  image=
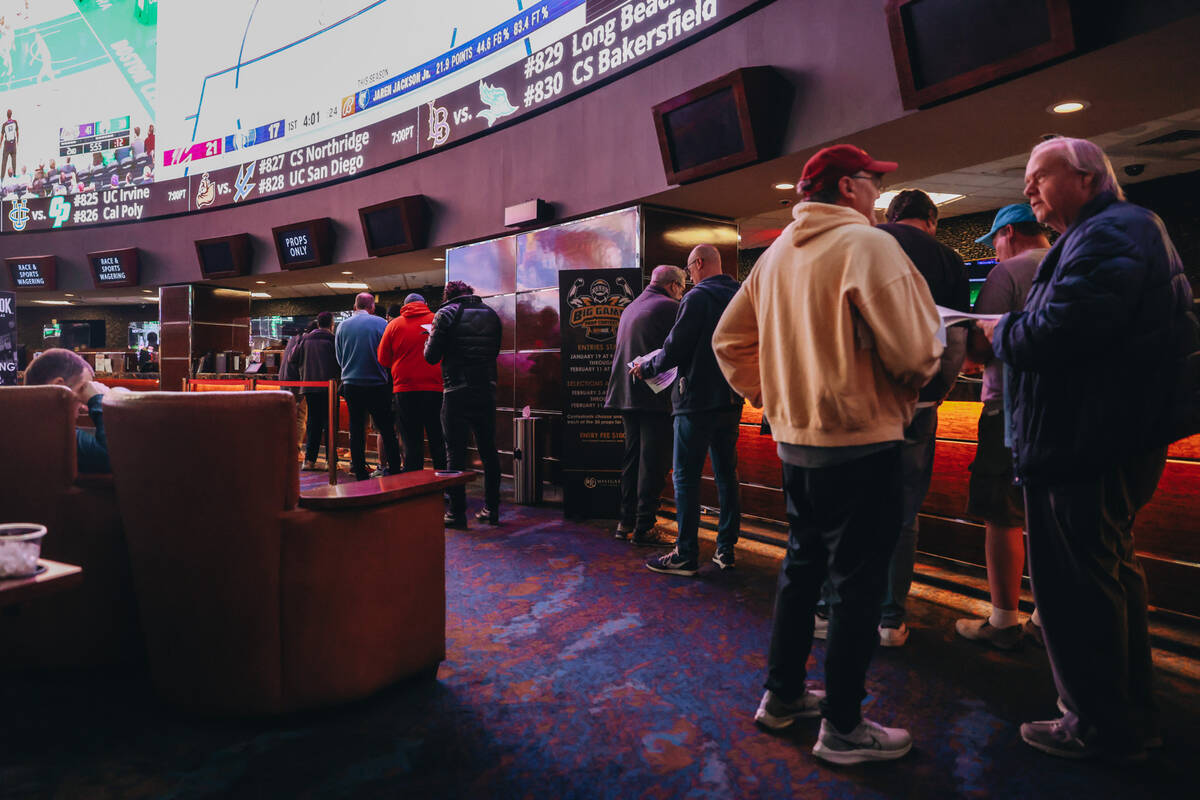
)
(572, 671)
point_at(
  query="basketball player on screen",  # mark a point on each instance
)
(10, 134)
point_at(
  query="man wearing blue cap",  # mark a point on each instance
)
(1020, 244)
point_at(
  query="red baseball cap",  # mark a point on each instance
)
(832, 163)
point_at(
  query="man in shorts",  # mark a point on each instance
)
(1020, 243)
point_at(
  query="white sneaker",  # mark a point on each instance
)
(820, 627)
(870, 741)
(776, 714)
(893, 637)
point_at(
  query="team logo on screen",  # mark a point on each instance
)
(18, 215)
(496, 98)
(597, 310)
(206, 192)
(439, 125)
(243, 185)
(348, 106)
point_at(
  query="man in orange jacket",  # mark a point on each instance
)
(416, 384)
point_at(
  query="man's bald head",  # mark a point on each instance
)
(703, 262)
(365, 301)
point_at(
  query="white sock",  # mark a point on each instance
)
(1036, 618)
(1003, 618)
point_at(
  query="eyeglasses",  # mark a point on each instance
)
(693, 262)
(876, 180)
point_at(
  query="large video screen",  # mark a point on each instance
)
(121, 110)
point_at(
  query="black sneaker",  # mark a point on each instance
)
(648, 539)
(724, 559)
(451, 520)
(672, 564)
(486, 515)
(776, 714)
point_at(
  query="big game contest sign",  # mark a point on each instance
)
(590, 305)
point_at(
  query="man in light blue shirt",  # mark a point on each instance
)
(365, 385)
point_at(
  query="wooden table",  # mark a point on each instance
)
(377, 491)
(56, 578)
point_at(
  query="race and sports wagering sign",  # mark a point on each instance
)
(320, 142)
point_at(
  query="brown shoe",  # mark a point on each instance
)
(649, 539)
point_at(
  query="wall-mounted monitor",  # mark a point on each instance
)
(224, 256)
(738, 119)
(397, 226)
(941, 52)
(33, 273)
(304, 244)
(115, 268)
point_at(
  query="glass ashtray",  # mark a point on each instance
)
(20, 547)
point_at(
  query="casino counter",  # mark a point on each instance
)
(1164, 534)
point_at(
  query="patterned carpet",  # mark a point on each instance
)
(573, 671)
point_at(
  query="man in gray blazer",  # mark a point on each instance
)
(644, 326)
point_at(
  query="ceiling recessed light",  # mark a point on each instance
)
(348, 272)
(67, 294)
(53, 302)
(783, 187)
(938, 198)
(343, 285)
(260, 282)
(150, 299)
(1068, 107)
(147, 291)
(439, 259)
(259, 294)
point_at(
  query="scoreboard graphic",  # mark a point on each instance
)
(194, 106)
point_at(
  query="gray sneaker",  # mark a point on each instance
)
(775, 713)
(982, 630)
(870, 741)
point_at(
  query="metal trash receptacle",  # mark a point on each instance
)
(527, 462)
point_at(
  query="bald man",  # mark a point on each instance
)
(706, 415)
(366, 385)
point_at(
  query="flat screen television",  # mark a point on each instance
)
(114, 268)
(737, 119)
(942, 52)
(33, 273)
(396, 226)
(224, 256)
(304, 244)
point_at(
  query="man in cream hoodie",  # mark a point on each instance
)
(833, 334)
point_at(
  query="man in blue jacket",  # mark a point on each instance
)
(707, 414)
(1091, 371)
(365, 385)
(61, 367)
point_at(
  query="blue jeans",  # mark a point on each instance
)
(916, 470)
(714, 433)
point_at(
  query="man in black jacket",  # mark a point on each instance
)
(707, 415)
(643, 328)
(466, 340)
(1092, 370)
(912, 219)
(314, 359)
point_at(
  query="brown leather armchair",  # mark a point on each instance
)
(96, 623)
(251, 605)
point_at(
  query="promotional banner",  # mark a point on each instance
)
(8, 340)
(590, 305)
